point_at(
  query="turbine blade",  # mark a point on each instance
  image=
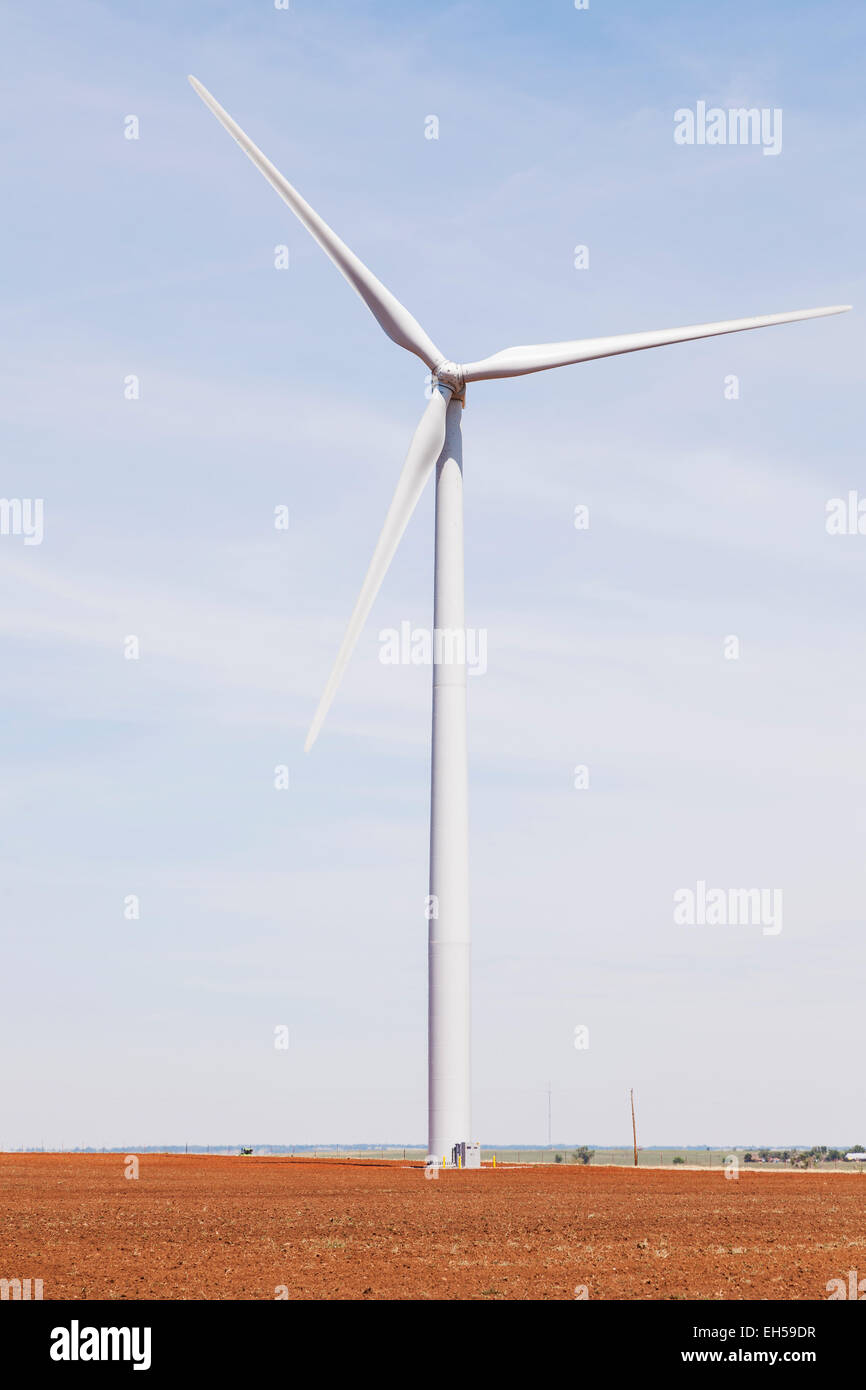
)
(518, 361)
(426, 446)
(390, 314)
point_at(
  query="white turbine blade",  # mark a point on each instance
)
(421, 459)
(517, 361)
(396, 321)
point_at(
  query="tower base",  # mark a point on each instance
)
(466, 1153)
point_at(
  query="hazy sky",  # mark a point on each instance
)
(261, 387)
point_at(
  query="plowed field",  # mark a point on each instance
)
(259, 1228)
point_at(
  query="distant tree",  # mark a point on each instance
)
(583, 1154)
(679, 1160)
(557, 1158)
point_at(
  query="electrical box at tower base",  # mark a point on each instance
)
(467, 1154)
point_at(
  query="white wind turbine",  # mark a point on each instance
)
(437, 444)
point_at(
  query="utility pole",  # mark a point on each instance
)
(633, 1127)
(549, 1114)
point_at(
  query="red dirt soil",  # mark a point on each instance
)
(253, 1228)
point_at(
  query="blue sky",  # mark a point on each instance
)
(260, 387)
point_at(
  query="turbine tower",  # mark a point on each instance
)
(436, 444)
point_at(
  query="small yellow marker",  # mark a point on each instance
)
(459, 1164)
(494, 1160)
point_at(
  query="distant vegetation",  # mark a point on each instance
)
(801, 1158)
(696, 1155)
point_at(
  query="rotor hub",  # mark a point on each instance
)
(450, 374)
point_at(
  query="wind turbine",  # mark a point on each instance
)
(437, 444)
